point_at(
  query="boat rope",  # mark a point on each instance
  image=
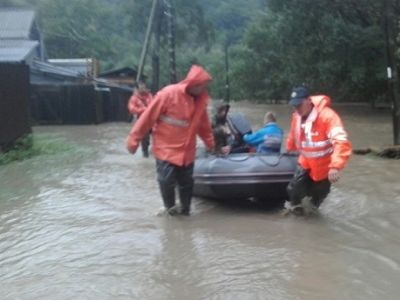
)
(271, 164)
(265, 161)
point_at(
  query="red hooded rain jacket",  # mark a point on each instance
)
(176, 118)
(321, 139)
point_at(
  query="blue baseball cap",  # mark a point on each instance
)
(298, 95)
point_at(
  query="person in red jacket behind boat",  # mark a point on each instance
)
(317, 133)
(177, 114)
(137, 104)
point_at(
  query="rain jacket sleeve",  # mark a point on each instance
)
(205, 131)
(145, 122)
(342, 148)
(291, 139)
(255, 139)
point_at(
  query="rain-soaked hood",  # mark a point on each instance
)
(196, 75)
(320, 101)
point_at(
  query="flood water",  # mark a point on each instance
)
(82, 224)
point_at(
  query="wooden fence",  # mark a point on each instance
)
(14, 103)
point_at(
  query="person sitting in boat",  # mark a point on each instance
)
(220, 126)
(267, 139)
(227, 138)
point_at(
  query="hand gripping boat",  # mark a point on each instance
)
(244, 176)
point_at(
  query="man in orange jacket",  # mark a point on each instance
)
(137, 104)
(317, 133)
(177, 114)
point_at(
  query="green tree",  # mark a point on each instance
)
(78, 28)
(335, 47)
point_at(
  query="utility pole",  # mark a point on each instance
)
(146, 40)
(227, 85)
(155, 85)
(392, 71)
(170, 13)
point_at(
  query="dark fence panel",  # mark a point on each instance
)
(66, 104)
(115, 105)
(46, 104)
(80, 105)
(14, 103)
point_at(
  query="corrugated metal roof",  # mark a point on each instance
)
(48, 68)
(16, 50)
(82, 65)
(121, 72)
(46, 73)
(16, 23)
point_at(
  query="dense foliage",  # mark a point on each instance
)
(334, 46)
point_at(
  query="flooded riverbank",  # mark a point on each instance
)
(81, 224)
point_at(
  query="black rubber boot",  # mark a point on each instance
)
(299, 186)
(167, 194)
(185, 196)
(167, 181)
(319, 191)
(185, 183)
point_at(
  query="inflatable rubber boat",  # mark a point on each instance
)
(243, 176)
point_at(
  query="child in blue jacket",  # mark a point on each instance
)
(267, 139)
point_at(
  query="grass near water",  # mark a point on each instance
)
(34, 145)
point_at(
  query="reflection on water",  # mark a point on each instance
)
(82, 225)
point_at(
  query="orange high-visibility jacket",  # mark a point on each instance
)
(321, 140)
(176, 118)
(138, 103)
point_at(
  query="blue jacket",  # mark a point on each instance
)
(267, 139)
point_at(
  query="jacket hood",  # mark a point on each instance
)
(220, 112)
(196, 75)
(321, 101)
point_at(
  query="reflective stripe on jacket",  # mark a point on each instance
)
(321, 140)
(176, 118)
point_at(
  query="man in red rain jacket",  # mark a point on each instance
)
(317, 133)
(177, 114)
(137, 104)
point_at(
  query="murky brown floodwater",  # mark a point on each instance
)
(82, 225)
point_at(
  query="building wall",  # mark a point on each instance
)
(14, 103)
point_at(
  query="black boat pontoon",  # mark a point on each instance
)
(242, 176)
